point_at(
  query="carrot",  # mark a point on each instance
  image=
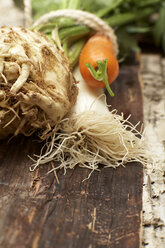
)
(97, 63)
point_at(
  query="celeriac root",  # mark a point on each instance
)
(24, 74)
(37, 88)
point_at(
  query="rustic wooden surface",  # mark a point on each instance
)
(30, 203)
(103, 211)
(40, 210)
(153, 76)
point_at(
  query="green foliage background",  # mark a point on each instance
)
(131, 19)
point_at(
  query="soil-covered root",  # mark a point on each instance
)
(37, 88)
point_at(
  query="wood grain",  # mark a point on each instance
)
(153, 74)
(105, 211)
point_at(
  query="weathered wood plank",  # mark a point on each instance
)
(104, 211)
(153, 74)
(128, 97)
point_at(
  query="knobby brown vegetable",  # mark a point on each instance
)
(37, 88)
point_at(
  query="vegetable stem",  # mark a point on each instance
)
(101, 73)
(149, 2)
(65, 48)
(106, 10)
(121, 19)
(75, 51)
(74, 4)
(73, 32)
(64, 4)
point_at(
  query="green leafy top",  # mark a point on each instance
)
(130, 18)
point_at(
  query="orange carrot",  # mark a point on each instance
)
(98, 65)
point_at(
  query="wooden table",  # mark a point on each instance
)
(104, 211)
